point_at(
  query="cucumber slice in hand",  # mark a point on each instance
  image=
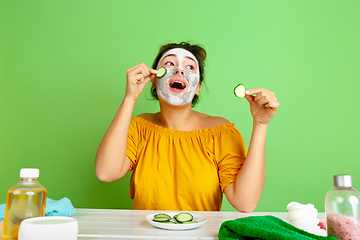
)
(239, 91)
(161, 72)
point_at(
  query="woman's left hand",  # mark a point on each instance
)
(263, 104)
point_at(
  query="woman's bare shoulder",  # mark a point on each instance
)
(151, 117)
(212, 121)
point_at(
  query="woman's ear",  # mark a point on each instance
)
(198, 89)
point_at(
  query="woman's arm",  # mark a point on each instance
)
(111, 162)
(244, 194)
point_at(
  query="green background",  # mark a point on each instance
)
(62, 79)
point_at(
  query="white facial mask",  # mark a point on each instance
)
(192, 79)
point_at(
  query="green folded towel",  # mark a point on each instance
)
(263, 227)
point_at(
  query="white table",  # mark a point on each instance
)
(102, 224)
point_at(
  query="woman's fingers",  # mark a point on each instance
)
(273, 104)
(152, 71)
(262, 100)
(267, 101)
(263, 97)
(137, 78)
(263, 104)
(138, 69)
(140, 73)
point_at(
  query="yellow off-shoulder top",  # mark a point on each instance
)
(182, 170)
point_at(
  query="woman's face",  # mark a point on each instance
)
(181, 81)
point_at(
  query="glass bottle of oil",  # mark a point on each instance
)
(342, 209)
(24, 200)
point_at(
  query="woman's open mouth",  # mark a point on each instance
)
(177, 84)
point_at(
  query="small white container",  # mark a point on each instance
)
(45, 228)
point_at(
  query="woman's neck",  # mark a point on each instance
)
(181, 118)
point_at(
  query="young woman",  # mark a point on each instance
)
(183, 159)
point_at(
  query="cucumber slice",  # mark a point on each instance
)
(183, 217)
(161, 72)
(180, 218)
(162, 215)
(161, 219)
(239, 91)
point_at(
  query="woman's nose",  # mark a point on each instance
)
(179, 71)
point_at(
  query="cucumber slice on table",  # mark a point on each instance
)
(180, 218)
(183, 217)
(162, 215)
(161, 72)
(239, 91)
(161, 219)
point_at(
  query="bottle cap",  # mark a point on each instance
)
(29, 173)
(342, 181)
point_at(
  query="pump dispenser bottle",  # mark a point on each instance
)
(342, 209)
(24, 200)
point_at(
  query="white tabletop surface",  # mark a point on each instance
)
(96, 224)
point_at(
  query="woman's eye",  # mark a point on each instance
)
(169, 63)
(191, 67)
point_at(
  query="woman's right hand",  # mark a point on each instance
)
(137, 77)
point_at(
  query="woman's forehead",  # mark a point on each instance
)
(180, 53)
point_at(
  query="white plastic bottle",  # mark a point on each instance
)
(342, 208)
(24, 200)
